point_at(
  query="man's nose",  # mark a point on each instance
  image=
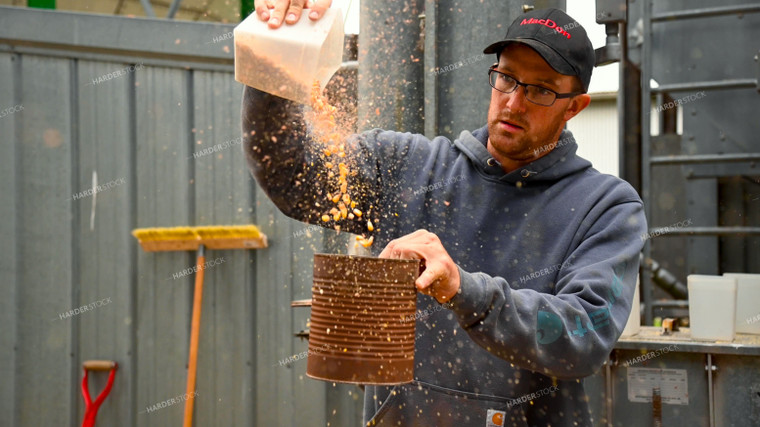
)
(516, 101)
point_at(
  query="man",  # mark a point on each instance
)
(532, 252)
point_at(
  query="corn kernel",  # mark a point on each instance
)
(325, 218)
(357, 212)
(370, 227)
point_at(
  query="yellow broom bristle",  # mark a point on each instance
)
(197, 233)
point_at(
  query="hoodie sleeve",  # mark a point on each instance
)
(570, 333)
(282, 158)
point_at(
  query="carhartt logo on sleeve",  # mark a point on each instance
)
(547, 23)
(495, 418)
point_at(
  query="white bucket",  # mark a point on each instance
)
(286, 61)
(747, 302)
(634, 319)
(712, 307)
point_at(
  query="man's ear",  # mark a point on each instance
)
(576, 105)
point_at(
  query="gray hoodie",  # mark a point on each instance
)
(547, 254)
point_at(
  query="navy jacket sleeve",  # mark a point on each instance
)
(570, 333)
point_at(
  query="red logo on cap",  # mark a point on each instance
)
(547, 23)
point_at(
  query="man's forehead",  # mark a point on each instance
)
(541, 71)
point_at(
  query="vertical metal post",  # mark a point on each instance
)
(710, 399)
(430, 70)
(173, 9)
(646, 168)
(148, 8)
(609, 397)
(390, 66)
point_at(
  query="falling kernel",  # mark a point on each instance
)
(357, 212)
(370, 227)
(325, 218)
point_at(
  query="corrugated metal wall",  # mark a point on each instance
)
(66, 115)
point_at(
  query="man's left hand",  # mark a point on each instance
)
(440, 278)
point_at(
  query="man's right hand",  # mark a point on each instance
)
(275, 11)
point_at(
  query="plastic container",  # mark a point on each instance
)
(747, 302)
(712, 307)
(362, 320)
(633, 325)
(286, 61)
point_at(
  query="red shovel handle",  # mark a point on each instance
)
(90, 407)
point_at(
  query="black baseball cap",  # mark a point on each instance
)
(557, 37)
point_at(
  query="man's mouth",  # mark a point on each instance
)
(511, 125)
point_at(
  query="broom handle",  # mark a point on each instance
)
(195, 331)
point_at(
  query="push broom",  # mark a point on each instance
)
(198, 239)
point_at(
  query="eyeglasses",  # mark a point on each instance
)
(535, 94)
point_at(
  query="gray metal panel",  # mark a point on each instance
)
(223, 195)
(105, 251)
(274, 319)
(163, 199)
(694, 414)
(194, 43)
(9, 260)
(45, 280)
(736, 384)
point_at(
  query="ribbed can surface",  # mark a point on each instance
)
(362, 319)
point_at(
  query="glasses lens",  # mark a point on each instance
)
(502, 82)
(539, 95)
